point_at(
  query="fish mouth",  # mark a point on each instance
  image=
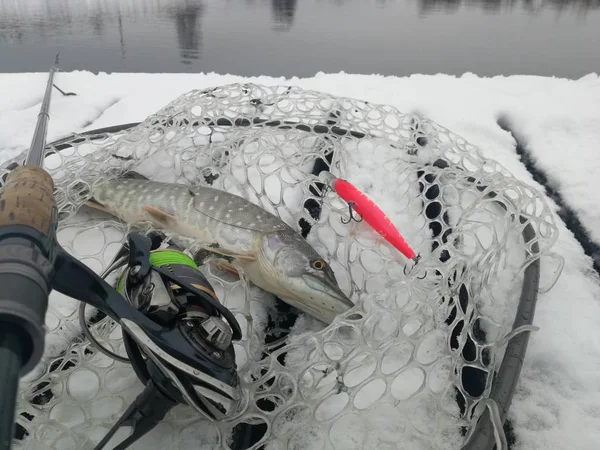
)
(330, 289)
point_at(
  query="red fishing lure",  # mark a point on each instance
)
(371, 214)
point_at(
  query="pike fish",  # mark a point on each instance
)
(272, 254)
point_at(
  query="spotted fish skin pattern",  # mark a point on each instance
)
(271, 253)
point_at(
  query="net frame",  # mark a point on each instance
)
(483, 433)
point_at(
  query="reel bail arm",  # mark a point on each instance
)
(139, 257)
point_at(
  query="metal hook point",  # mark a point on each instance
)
(405, 270)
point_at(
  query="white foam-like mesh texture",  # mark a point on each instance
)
(397, 371)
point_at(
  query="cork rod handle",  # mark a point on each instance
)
(27, 199)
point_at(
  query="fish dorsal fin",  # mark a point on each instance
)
(235, 211)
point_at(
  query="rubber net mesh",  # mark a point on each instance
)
(405, 368)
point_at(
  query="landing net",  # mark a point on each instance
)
(409, 367)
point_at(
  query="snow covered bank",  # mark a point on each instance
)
(557, 404)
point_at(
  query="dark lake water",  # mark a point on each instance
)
(302, 37)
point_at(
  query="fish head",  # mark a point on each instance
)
(301, 277)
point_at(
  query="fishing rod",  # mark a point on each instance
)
(178, 336)
(28, 221)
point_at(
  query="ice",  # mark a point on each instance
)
(557, 402)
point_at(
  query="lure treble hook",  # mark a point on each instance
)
(353, 215)
(362, 206)
(407, 271)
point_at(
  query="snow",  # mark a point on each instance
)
(557, 401)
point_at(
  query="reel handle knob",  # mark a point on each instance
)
(216, 332)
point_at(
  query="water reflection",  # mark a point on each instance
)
(289, 37)
(10, 33)
(565, 5)
(121, 37)
(283, 14)
(97, 23)
(495, 6)
(189, 35)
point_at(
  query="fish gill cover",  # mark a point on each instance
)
(410, 366)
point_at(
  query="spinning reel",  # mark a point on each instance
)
(184, 354)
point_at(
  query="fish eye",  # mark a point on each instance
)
(318, 264)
